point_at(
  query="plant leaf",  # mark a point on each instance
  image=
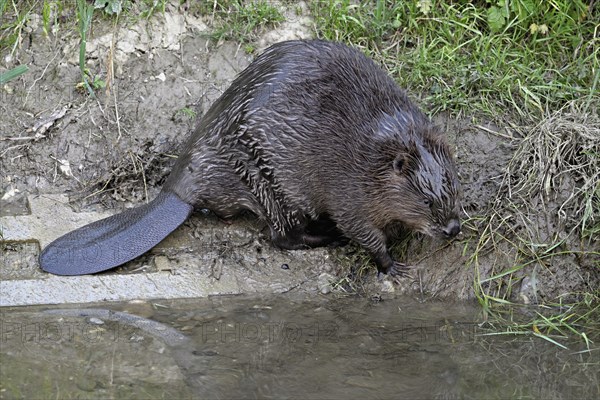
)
(496, 19)
(13, 73)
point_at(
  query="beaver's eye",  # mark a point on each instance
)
(428, 203)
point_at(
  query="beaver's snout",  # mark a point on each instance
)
(452, 229)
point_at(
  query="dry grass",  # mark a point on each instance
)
(546, 214)
(557, 167)
(130, 177)
(549, 198)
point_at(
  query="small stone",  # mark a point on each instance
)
(387, 286)
(10, 193)
(136, 338)
(162, 263)
(324, 283)
(65, 168)
(87, 385)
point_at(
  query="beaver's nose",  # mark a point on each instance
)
(452, 229)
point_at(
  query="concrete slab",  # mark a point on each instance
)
(92, 289)
(175, 271)
(50, 218)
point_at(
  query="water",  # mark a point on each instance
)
(281, 347)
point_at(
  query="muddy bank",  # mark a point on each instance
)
(115, 151)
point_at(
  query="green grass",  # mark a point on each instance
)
(238, 20)
(186, 112)
(84, 16)
(12, 74)
(13, 20)
(461, 63)
(557, 322)
(530, 56)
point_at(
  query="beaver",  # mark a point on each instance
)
(313, 134)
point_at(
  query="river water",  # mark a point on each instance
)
(282, 347)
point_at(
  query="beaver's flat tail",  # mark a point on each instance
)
(115, 240)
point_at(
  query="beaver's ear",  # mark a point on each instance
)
(400, 164)
(406, 158)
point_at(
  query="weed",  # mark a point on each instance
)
(84, 15)
(3, 4)
(187, 113)
(111, 7)
(152, 6)
(46, 12)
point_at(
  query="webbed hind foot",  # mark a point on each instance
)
(301, 239)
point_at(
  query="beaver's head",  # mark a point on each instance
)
(417, 183)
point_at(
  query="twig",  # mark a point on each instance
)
(483, 128)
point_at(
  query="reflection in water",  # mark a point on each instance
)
(281, 346)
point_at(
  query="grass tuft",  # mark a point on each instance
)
(238, 20)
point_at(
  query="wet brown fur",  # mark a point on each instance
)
(315, 132)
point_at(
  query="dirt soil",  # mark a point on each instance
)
(116, 151)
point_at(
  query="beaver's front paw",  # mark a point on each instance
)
(396, 270)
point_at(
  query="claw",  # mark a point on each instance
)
(397, 270)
